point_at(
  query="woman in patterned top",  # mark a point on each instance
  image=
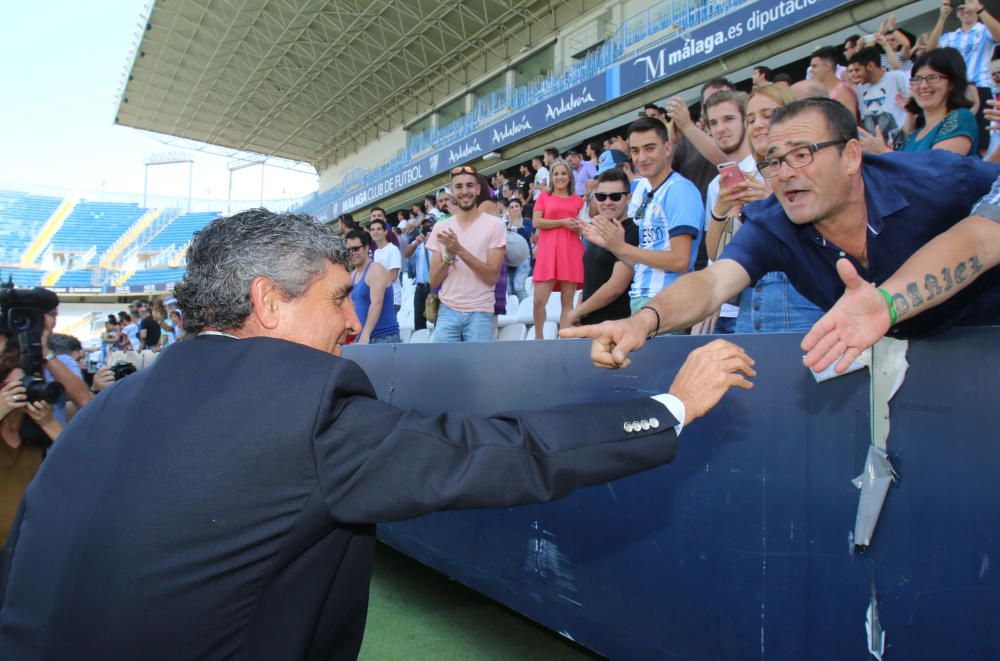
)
(938, 88)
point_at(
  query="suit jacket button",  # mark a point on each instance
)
(654, 423)
(628, 427)
(645, 425)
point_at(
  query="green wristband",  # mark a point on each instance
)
(892, 307)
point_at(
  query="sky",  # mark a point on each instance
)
(63, 64)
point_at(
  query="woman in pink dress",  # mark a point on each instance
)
(559, 254)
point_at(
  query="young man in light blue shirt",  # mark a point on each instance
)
(668, 211)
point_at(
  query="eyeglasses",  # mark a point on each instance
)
(930, 78)
(354, 249)
(796, 158)
(615, 197)
(463, 169)
(642, 207)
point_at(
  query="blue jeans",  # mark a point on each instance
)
(773, 306)
(516, 277)
(455, 326)
(391, 338)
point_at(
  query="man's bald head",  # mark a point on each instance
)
(808, 89)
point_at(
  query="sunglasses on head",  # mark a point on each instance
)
(615, 197)
(463, 169)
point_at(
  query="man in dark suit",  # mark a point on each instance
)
(241, 525)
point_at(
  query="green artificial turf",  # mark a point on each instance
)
(417, 613)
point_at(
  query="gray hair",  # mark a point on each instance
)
(225, 257)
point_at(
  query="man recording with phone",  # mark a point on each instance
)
(725, 114)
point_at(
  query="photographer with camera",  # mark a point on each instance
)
(26, 429)
(27, 317)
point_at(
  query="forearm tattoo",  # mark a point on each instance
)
(935, 285)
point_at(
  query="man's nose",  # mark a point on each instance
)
(354, 324)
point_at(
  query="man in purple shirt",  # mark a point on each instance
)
(583, 171)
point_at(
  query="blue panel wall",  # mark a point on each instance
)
(740, 548)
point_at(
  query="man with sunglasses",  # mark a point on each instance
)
(606, 277)
(467, 251)
(829, 204)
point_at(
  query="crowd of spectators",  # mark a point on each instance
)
(682, 176)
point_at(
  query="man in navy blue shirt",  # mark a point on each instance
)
(829, 203)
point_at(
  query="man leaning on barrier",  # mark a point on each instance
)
(829, 203)
(241, 525)
(937, 272)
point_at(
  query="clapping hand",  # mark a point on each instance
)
(605, 232)
(449, 240)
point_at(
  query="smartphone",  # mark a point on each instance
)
(729, 174)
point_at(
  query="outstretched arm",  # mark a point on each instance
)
(367, 451)
(862, 315)
(691, 298)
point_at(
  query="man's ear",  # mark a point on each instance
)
(853, 153)
(266, 299)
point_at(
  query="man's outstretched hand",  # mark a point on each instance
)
(614, 340)
(708, 373)
(856, 321)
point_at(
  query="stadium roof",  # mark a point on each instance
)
(309, 80)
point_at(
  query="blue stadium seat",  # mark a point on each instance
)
(22, 277)
(96, 224)
(21, 218)
(81, 278)
(180, 230)
(155, 276)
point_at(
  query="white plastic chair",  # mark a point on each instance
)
(550, 331)
(512, 333)
(553, 307)
(421, 336)
(509, 317)
(526, 311)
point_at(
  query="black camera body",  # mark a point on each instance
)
(122, 368)
(22, 313)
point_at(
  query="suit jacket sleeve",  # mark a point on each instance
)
(378, 463)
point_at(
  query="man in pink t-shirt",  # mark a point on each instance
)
(467, 253)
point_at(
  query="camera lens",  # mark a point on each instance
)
(20, 320)
(40, 390)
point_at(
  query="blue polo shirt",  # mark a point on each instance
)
(911, 198)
